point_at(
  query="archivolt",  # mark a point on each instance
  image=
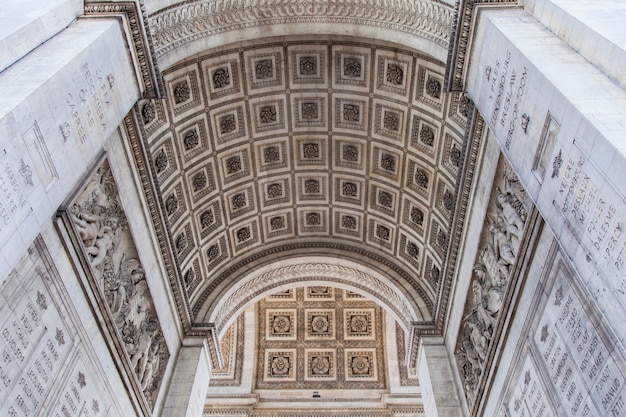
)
(315, 271)
(203, 24)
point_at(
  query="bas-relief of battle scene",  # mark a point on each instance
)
(101, 224)
(501, 237)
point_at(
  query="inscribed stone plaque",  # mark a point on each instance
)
(47, 363)
(572, 363)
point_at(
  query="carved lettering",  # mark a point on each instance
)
(618, 408)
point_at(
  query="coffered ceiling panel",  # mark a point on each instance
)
(320, 338)
(269, 145)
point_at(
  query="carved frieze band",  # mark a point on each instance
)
(246, 411)
(200, 19)
(143, 54)
(317, 271)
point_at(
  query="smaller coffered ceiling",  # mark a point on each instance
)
(320, 338)
(314, 338)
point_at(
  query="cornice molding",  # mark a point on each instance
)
(134, 135)
(142, 52)
(462, 27)
(473, 141)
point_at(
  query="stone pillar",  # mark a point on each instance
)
(435, 377)
(590, 28)
(61, 102)
(190, 382)
(559, 119)
(26, 24)
(248, 371)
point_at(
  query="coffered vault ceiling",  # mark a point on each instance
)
(338, 148)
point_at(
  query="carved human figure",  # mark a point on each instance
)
(151, 366)
(501, 242)
(482, 313)
(129, 274)
(492, 292)
(94, 219)
(139, 358)
(514, 187)
(105, 239)
(498, 268)
(471, 356)
(135, 311)
(469, 363)
(87, 224)
(479, 341)
(512, 219)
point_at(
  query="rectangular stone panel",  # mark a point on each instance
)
(572, 364)
(47, 364)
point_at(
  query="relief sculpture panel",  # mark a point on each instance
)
(100, 235)
(498, 251)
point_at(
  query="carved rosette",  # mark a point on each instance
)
(118, 278)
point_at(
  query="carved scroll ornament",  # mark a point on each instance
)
(191, 21)
(263, 282)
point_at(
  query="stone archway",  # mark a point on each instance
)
(314, 271)
(194, 27)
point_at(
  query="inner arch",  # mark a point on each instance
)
(316, 271)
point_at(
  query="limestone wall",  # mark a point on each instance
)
(59, 104)
(558, 120)
(62, 103)
(53, 358)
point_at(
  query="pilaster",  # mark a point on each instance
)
(190, 381)
(435, 376)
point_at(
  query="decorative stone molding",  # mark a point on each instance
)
(134, 17)
(242, 411)
(460, 37)
(232, 352)
(255, 285)
(407, 357)
(191, 21)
